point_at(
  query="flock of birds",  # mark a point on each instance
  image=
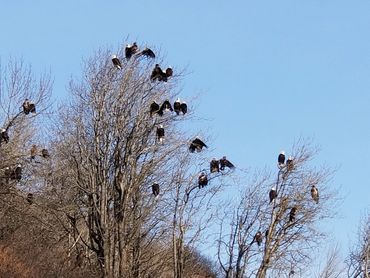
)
(133, 49)
(15, 173)
(179, 107)
(288, 166)
(215, 167)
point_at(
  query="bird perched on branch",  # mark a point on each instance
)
(180, 107)
(177, 106)
(292, 214)
(33, 152)
(116, 62)
(290, 164)
(197, 145)
(281, 159)
(30, 198)
(147, 52)
(45, 153)
(225, 163)
(160, 75)
(165, 107)
(154, 108)
(131, 50)
(7, 174)
(4, 137)
(214, 165)
(184, 108)
(315, 194)
(258, 238)
(202, 180)
(160, 134)
(17, 173)
(28, 107)
(272, 194)
(155, 189)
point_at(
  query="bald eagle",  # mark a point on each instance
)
(225, 163)
(154, 108)
(177, 106)
(281, 159)
(33, 152)
(45, 153)
(116, 62)
(18, 172)
(214, 166)
(28, 107)
(169, 72)
(258, 238)
(148, 53)
(166, 106)
(184, 108)
(160, 133)
(30, 198)
(292, 214)
(290, 164)
(160, 75)
(156, 73)
(4, 137)
(7, 174)
(130, 50)
(315, 194)
(197, 145)
(272, 194)
(155, 189)
(202, 180)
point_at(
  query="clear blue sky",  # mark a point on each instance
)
(268, 72)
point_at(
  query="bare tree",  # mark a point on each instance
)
(193, 207)
(22, 128)
(110, 155)
(277, 233)
(334, 266)
(359, 259)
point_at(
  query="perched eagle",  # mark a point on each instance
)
(214, 166)
(258, 238)
(315, 194)
(116, 62)
(169, 72)
(160, 75)
(4, 137)
(166, 106)
(28, 107)
(7, 174)
(202, 180)
(184, 108)
(33, 152)
(272, 194)
(155, 189)
(197, 145)
(292, 214)
(147, 52)
(290, 164)
(154, 108)
(18, 172)
(225, 163)
(45, 153)
(30, 198)
(177, 106)
(180, 107)
(130, 50)
(160, 134)
(281, 159)
(156, 73)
